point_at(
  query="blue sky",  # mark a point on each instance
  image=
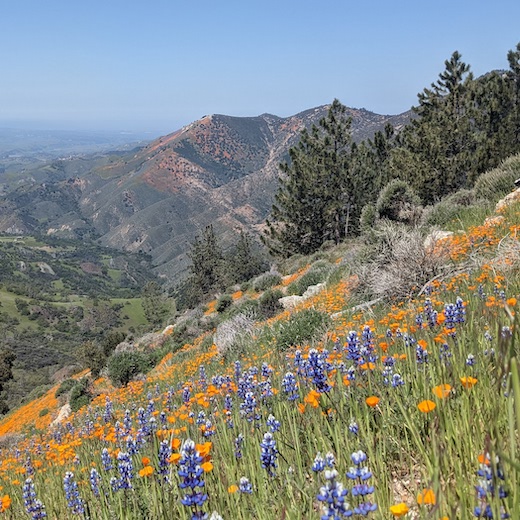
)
(156, 65)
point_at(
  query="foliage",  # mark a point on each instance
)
(223, 303)
(266, 281)
(397, 201)
(92, 356)
(64, 387)
(80, 395)
(269, 303)
(302, 327)
(318, 273)
(155, 305)
(124, 366)
(498, 182)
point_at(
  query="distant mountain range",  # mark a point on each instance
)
(155, 199)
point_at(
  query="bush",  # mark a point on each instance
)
(397, 201)
(316, 274)
(497, 183)
(79, 395)
(43, 412)
(124, 366)
(269, 304)
(65, 386)
(368, 219)
(303, 327)
(223, 303)
(266, 281)
(232, 335)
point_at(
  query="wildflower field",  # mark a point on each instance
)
(410, 410)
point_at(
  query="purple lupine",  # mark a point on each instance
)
(33, 506)
(290, 386)
(165, 452)
(74, 501)
(95, 479)
(332, 495)
(269, 454)
(126, 470)
(245, 486)
(191, 473)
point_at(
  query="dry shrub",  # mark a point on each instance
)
(232, 335)
(402, 264)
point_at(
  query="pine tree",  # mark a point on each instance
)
(317, 192)
(206, 268)
(242, 263)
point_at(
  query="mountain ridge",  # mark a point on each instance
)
(155, 199)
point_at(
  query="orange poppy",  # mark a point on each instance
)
(233, 488)
(372, 401)
(146, 471)
(468, 381)
(399, 509)
(426, 497)
(426, 406)
(442, 391)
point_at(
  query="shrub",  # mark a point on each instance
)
(124, 366)
(368, 218)
(232, 334)
(397, 202)
(497, 183)
(303, 327)
(316, 274)
(266, 281)
(223, 303)
(269, 304)
(79, 395)
(448, 208)
(43, 412)
(65, 386)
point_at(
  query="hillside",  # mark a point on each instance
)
(411, 404)
(220, 169)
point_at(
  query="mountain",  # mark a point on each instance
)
(220, 169)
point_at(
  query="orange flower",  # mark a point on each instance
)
(511, 302)
(468, 382)
(426, 497)
(232, 489)
(5, 503)
(313, 398)
(422, 343)
(426, 406)
(372, 401)
(145, 461)
(207, 466)
(442, 391)
(203, 449)
(146, 471)
(174, 458)
(176, 444)
(399, 509)
(301, 407)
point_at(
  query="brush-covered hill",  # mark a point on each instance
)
(219, 170)
(407, 405)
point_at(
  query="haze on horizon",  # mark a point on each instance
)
(153, 67)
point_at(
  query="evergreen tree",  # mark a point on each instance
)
(206, 269)
(242, 263)
(317, 193)
(154, 303)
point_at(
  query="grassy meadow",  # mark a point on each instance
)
(402, 410)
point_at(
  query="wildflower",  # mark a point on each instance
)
(72, 494)
(191, 473)
(273, 424)
(146, 471)
(232, 489)
(441, 391)
(165, 452)
(95, 479)
(399, 509)
(426, 406)
(468, 381)
(215, 516)
(426, 497)
(245, 486)
(33, 506)
(319, 463)
(317, 370)
(269, 454)
(5, 503)
(470, 360)
(106, 460)
(353, 427)
(248, 408)
(290, 386)
(372, 401)
(333, 494)
(238, 446)
(126, 470)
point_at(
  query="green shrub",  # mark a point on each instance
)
(79, 395)
(65, 387)
(266, 281)
(497, 183)
(43, 412)
(316, 274)
(269, 305)
(124, 366)
(396, 201)
(303, 327)
(368, 219)
(223, 303)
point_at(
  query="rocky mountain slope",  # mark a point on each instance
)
(220, 169)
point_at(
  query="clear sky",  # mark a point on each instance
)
(155, 65)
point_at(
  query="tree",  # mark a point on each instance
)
(206, 267)
(438, 148)
(317, 193)
(154, 303)
(242, 262)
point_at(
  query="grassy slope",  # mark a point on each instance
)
(425, 440)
